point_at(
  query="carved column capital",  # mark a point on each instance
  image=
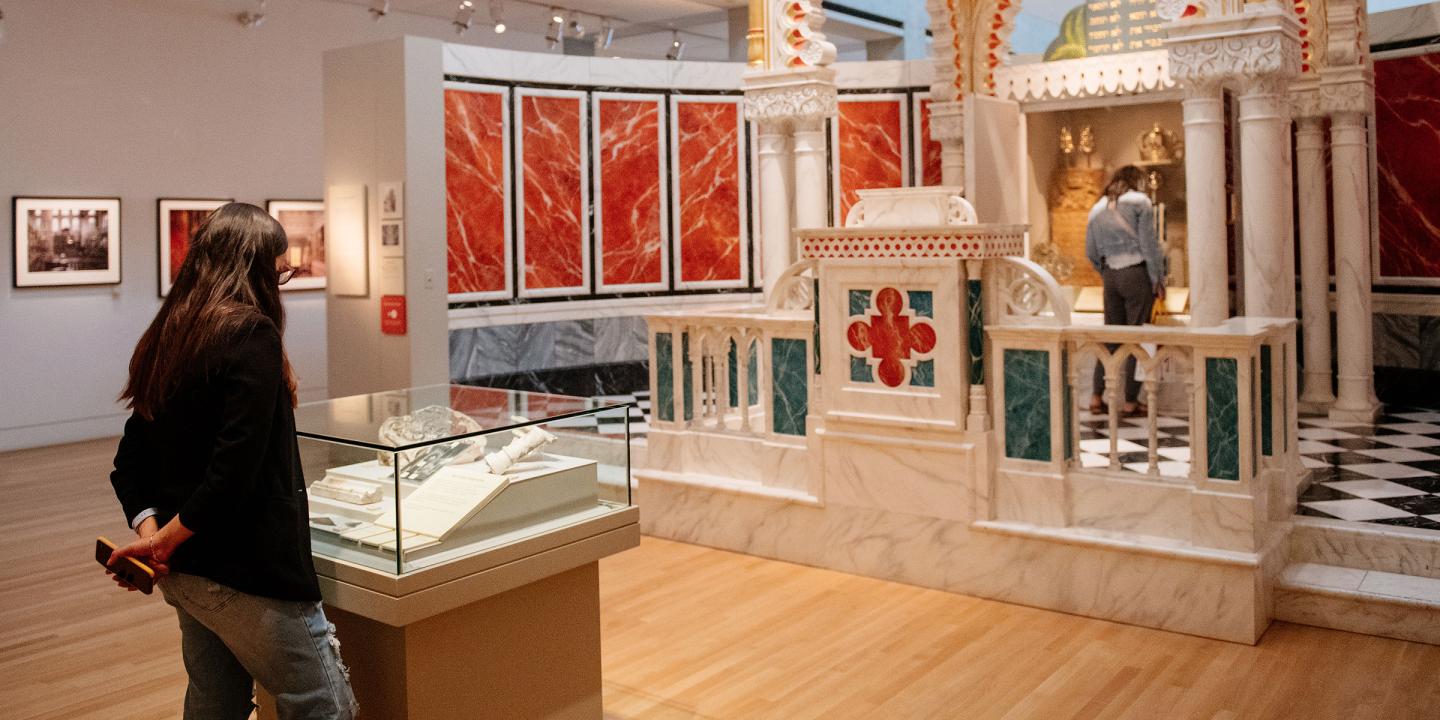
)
(947, 120)
(1260, 48)
(1305, 100)
(1347, 90)
(790, 97)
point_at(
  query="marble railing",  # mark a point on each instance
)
(735, 372)
(1236, 391)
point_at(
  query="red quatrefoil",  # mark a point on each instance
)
(891, 337)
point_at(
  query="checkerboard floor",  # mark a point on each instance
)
(611, 424)
(1387, 473)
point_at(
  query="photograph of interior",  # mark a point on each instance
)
(720, 359)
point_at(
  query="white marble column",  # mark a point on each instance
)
(774, 176)
(1266, 206)
(1206, 204)
(947, 127)
(811, 177)
(1314, 262)
(1350, 152)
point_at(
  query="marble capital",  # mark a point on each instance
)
(789, 97)
(947, 120)
(1349, 89)
(1305, 99)
(1262, 42)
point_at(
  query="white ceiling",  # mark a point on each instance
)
(643, 27)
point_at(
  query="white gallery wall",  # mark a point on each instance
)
(144, 99)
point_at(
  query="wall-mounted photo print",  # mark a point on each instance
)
(304, 223)
(392, 201)
(392, 238)
(66, 241)
(178, 219)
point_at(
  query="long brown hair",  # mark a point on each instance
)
(226, 284)
(1124, 180)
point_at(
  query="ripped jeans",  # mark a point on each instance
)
(230, 640)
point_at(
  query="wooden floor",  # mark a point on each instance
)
(691, 632)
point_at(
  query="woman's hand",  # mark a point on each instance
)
(1160, 290)
(154, 547)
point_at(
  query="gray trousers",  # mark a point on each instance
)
(1129, 298)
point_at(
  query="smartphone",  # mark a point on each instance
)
(137, 574)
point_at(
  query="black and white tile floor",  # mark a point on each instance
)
(1386, 473)
(611, 424)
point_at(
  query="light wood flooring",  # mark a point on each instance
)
(691, 632)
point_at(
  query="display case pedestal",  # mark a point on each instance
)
(532, 652)
(511, 632)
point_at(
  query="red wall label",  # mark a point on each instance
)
(392, 314)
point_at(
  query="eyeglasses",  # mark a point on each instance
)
(286, 274)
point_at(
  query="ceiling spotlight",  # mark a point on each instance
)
(575, 28)
(677, 46)
(497, 16)
(379, 9)
(250, 20)
(463, 15)
(607, 33)
(552, 33)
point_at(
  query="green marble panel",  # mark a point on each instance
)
(1222, 419)
(687, 377)
(859, 302)
(790, 382)
(860, 370)
(1027, 404)
(1065, 407)
(1267, 419)
(922, 302)
(734, 372)
(753, 376)
(923, 375)
(815, 332)
(664, 377)
(975, 309)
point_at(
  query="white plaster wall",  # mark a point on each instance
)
(146, 99)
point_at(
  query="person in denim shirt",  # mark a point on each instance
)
(1120, 243)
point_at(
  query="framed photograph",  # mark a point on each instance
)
(392, 238)
(304, 223)
(178, 219)
(62, 241)
(392, 201)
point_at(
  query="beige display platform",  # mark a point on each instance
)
(513, 632)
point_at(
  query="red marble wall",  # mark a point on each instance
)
(869, 148)
(706, 158)
(930, 174)
(1407, 114)
(476, 193)
(630, 188)
(552, 181)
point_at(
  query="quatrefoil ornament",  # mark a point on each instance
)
(892, 336)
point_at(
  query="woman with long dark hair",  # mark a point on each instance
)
(1120, 243)
(208, 473)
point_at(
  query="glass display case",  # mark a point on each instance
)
(404, 480)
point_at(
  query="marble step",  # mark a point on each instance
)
(1373, 602)
(1365, 546)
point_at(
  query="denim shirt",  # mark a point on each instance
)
(1105, 237)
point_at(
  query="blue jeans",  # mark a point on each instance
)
(230, 640)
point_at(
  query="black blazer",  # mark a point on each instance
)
(223, 456)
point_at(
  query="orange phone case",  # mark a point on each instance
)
(139, 575)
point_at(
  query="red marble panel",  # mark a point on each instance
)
(631, 188)
(475, 191)
(553, 187)
(1407, 114)
(707, 164)
(869, 148)
(930, 174)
